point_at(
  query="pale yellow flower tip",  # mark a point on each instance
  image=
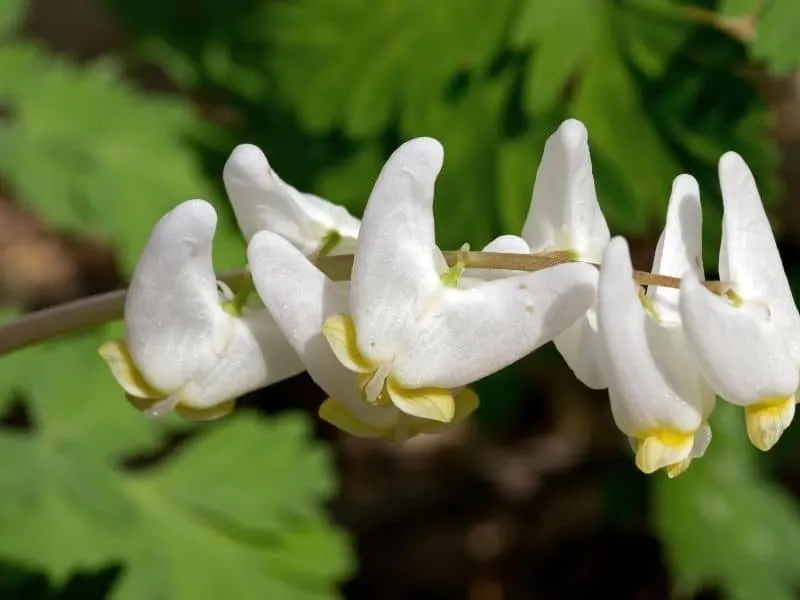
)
(340, 331)
(340, 417)
(211, 413)
(676, 469)
(432, 403)
(127, 374)
(657, 449)
(768, 419)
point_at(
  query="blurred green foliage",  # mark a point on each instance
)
(328, 88)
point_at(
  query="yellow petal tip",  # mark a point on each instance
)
(665, 449)
(127, 374)
(340, 331)
(767, 419)
(211, 413)
(436, 404)
(339, 416)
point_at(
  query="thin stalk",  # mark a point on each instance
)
(51, 323)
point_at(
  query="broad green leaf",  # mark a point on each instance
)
(738, 8)
(89, 152)
(633, 166)
(775, 42)
(182, 531)
(555, 56)
(11, 12)
(76, 402)
(402, 54)
(724, 524)
(206, 462)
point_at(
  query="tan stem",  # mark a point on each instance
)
(96, 310)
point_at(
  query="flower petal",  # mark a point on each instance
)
(580, 346)
(340, 332)
(466, 402)
(436, 404)
(300, 298)
(564, 213)
(257, 355)
(465, 335)
(768, 419)
(749, 256)
(742, 355)
(679, 248)
(340, 416)
(262, 200)
(119, 360)
(394, 270)
(650, 385)
(175, 327)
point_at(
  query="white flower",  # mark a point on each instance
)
(185, 348)
(658, 396)
(565, 216)
(302, 298)
(262, 200)
(747, 342)
(410, 333)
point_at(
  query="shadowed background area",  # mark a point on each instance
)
(112, 112)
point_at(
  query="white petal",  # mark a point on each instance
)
(679, 248)
(580, 347)
(564, 213)
(262, 200)
(645, 362)
(300, 298)
(468, 334)
(510, 244)
(257, 355)
(741, 353)
(394, 271)
(749, 256)
(175, 327)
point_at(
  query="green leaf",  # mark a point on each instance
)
(738, 8)
(556, 56)
(214, 458)
(11, 12)
(181, 531)
(76, 402)
(402, 56)
(623, 139)
(724, 524)
(89, 152)
(775, 41)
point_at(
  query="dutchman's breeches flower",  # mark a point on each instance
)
(411, 334)
(302, 299)
(659, 399)
(395, 354)
(747, 341)
(565, 216)
(263, 201)
(189, 344)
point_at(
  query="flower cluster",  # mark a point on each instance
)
(396, 346)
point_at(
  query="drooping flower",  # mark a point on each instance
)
(262, 200)
(565, 216)
(411, 334)
(189, 344)
(747, 341)
(658, 396)
(302, 298)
